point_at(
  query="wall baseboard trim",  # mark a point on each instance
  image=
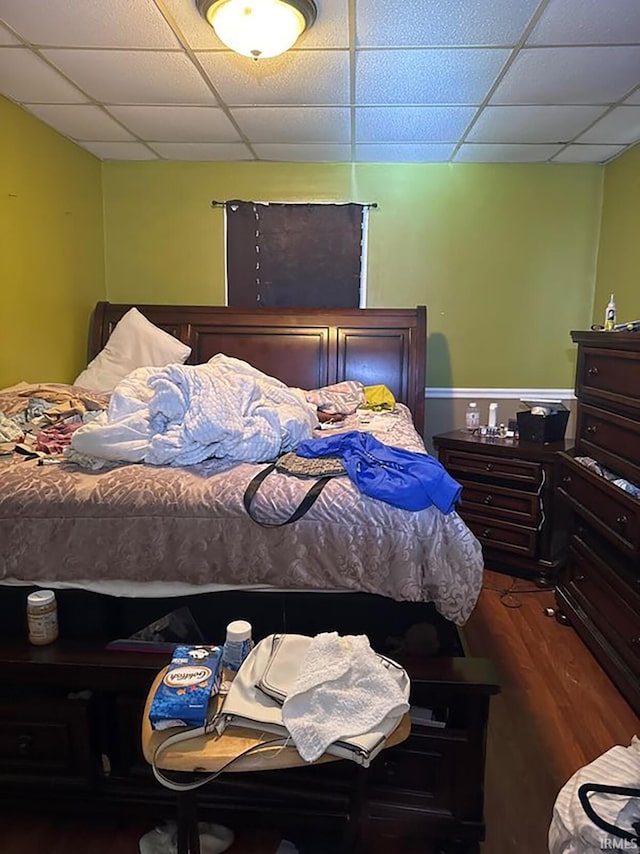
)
(501, 393)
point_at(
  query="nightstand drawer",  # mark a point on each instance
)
(606, 507)
(500, 503)
(501, 535)
(611, 439)
(521, 472)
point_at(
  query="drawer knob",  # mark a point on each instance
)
(621, 520)
(566, 478)
(24, 744)
(593, 371)
(591, 428)
(488, 499)
(579, 578)
(489, 466)
(636, 640)
(486, 532)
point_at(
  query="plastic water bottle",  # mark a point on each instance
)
(472, 417)
(237, 647)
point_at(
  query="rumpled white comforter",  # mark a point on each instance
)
(180, 415)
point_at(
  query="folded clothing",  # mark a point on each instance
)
(342, 689)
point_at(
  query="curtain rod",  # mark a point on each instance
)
(216, 204)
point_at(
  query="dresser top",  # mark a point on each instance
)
(610, 340)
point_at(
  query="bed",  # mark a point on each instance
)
(158, 537)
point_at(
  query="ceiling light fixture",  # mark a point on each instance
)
(258, 28)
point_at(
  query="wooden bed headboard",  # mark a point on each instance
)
(306, 348)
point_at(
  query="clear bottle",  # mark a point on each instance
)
(237, 647)
(610, 315)
(42, 617)
(472, 417)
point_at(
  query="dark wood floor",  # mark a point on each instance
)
(557, 711)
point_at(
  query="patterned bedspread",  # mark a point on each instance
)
(146, 523)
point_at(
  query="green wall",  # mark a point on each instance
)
(504, 256)
(619, 256)
(51, 249)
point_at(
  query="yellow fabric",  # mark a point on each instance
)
(378, 397)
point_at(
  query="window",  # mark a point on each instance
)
(295, 255)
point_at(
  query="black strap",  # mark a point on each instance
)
(583, 795)
(307, 502)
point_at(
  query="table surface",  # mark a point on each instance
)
(211, 752)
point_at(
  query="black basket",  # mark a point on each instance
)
(542, 428)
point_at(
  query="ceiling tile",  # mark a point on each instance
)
(634, 98)
(6, 37)
(620, 126)
(89, 23)
(587, 153)
(395, 23)
(569, 75)
(403, 153)
(289, 124)
(80, 121)
(297, 77)
(177, 124)
(119, 150)
(532, 124)
(497, 153)
(588, 22)
(134, 77)
(24, 76)
(310, 153)
(412, 124)
(426, 76)
(331, 28)
(202, 150)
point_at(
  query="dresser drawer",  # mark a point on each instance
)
(609, 376)
(611, 439)
(48, 740)
(420, 769)
(610, 604)
(501, 535)
(520, 472)
(604, 506)
(500, 502)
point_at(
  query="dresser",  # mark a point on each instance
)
(599, 590)
(508, 500)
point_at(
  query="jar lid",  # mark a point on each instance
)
(239, 630)
(41, 597)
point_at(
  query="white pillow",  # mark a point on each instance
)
(134, 343)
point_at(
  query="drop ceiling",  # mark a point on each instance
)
(372, 81)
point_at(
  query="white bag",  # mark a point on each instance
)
(255, 702)
(265, 679)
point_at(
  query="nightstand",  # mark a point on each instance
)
(508, 500)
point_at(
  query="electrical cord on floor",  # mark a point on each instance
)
(508, 594)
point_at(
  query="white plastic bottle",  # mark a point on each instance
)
(237, 647)
(610, 315)
(472, 417)
(493, 416)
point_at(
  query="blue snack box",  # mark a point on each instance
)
(182, 698)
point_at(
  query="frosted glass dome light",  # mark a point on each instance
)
(258, 28)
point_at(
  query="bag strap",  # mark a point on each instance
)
(307, 502)
(208, 778)
(583, 795)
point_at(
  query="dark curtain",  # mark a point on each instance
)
(288, 255)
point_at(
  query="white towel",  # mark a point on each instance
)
(342, 690)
